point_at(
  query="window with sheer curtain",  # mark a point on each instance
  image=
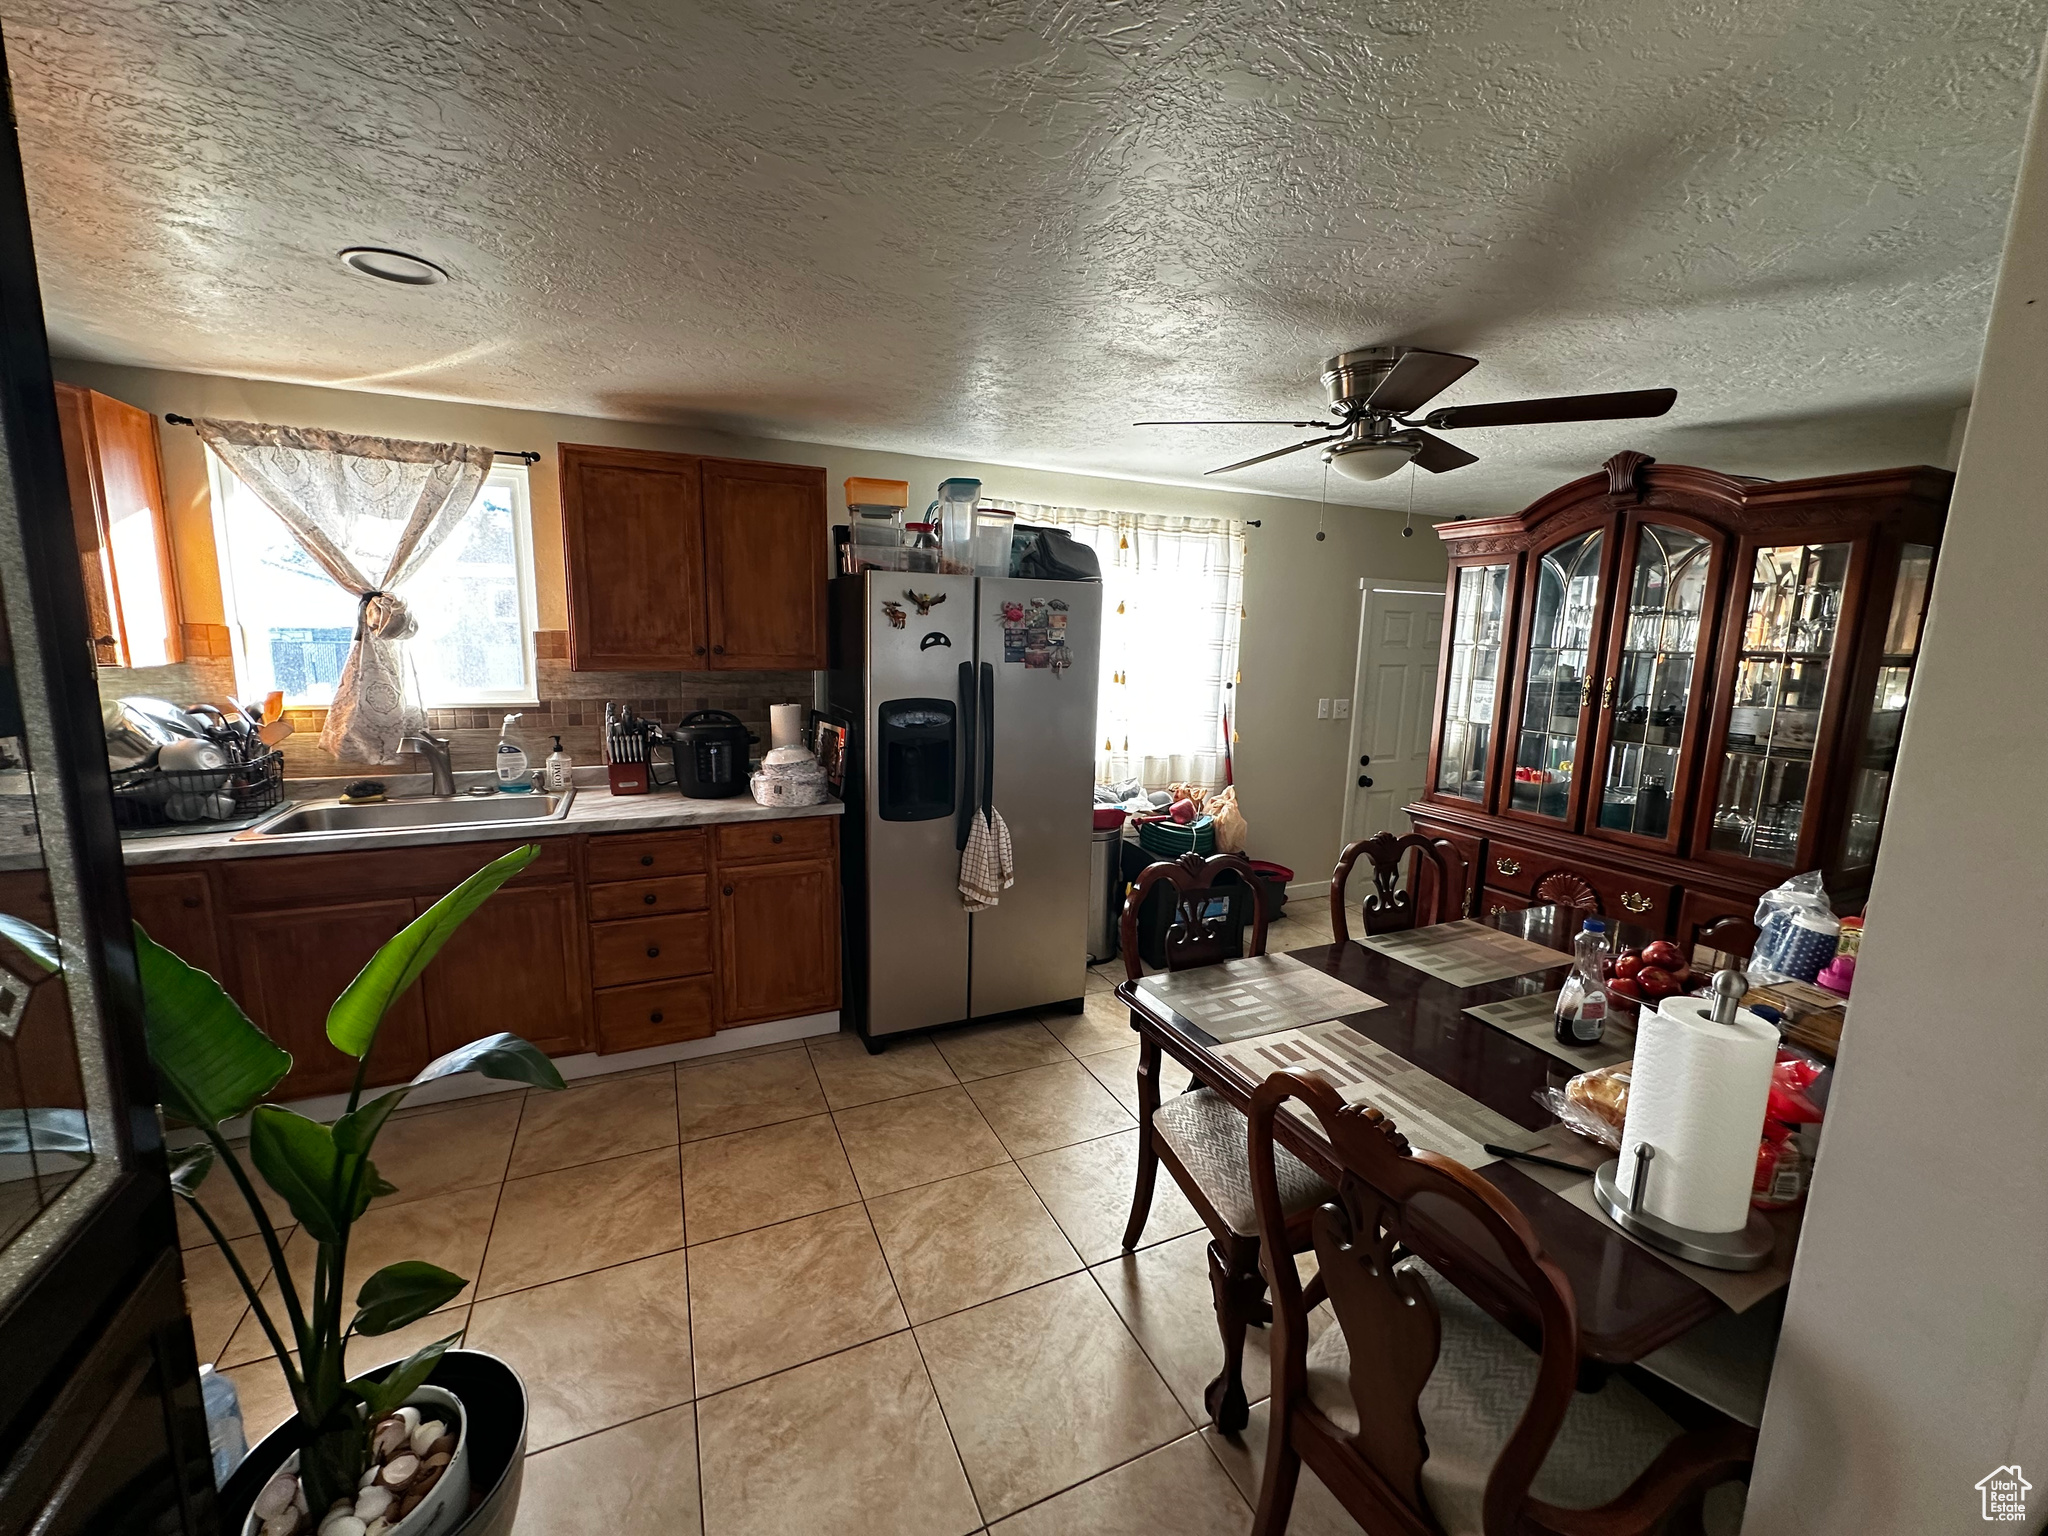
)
(1172, 599)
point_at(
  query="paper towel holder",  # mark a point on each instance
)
(1748, 1247)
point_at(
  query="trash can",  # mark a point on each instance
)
(1105, 893)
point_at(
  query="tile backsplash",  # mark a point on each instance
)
(571, 706)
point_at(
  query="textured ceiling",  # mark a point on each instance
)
(1002, 229)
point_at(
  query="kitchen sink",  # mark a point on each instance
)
(331, 818)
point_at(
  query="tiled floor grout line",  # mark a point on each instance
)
(689, 1306)
(911, 1327)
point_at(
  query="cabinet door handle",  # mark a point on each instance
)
(728, 890)
(654, 1017)
(1635, 901)
(193, 901)
(1607, 694)
(718, 650)
(646, 859)
(700, 650)
(774, 837)
(653, 951)
(648, 898)
(1508, 866)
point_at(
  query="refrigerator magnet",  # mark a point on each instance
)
(895, 614)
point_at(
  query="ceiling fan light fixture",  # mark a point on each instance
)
(393, 266)
(1369, 461)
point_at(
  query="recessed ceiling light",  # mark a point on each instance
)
(393, 266)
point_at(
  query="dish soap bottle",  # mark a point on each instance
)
(514, 776)
(1582, 1004)
(558, 769)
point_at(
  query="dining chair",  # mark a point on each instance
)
(1422, 1409)
(1434, 891)
(1198, 1134)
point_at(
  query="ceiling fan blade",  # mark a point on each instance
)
(1519, 413)
(1418, 377)
(1438, 456)
(1276, 453)
(1326, 425)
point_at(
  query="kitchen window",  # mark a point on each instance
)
(1172, 603)
(473, 601)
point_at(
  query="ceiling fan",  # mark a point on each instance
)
(1373, 390)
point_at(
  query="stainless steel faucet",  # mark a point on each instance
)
(435, 750)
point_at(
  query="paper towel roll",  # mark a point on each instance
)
(785, 725)
(1697, 1093)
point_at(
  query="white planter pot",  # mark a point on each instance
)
(446, 1505)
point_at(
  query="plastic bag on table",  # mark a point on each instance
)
(1231, 831)
(1594, 1104)
(1787, 917)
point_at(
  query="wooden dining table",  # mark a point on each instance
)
(1630, 1301)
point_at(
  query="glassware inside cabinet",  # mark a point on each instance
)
(1478, 607)
(1871, 783)
(1554, 687)
(1653, 684)
(1781, 682)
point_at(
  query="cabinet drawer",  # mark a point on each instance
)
(1633, 899)
(631, 1018)
(1491, 901)
(1509, 868)
(650, 949)
(755, 842)
(647, 855)
(650, 898)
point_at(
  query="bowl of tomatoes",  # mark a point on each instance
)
(1646, 976)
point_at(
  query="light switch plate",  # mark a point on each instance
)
(1322, 709)
(1341, 708)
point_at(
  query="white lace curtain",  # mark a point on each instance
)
(370, 510)
(1172, 601)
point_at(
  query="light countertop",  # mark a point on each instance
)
(595, 809)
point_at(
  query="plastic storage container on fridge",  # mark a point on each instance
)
(952, 513)
(992, 530)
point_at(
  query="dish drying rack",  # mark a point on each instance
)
(149, 797)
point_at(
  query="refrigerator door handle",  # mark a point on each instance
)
(988, 737)
(963, 794)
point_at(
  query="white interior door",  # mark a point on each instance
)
(1400, 631)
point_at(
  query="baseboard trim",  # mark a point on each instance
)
(1301, 888)
(746, 1037)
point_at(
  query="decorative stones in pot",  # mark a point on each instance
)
(417, 1483)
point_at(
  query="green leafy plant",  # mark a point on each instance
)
(214, 1065)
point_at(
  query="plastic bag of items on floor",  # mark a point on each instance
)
(1133, 797)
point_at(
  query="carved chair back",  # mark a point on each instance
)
(1433, 893)
(1464, 1229)
(1203, 930)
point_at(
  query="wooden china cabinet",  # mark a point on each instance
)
(1665, 690)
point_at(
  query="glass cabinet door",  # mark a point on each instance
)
(1652, 685)
(1478, 608)
(1870, 785)
(1567, 591)
(1781, 684)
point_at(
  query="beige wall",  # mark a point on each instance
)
(1301, 596)
(1915, 1353)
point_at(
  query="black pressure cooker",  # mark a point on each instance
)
(710, 749)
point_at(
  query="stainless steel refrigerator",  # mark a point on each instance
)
(963, 692)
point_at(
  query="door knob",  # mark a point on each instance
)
(1365, 761)
(1365, 781)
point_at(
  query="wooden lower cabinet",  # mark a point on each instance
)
(615, 942)
(175, 907)
(516, 965)
(290, 966)
(778, 940)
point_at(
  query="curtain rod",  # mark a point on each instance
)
(527, 455)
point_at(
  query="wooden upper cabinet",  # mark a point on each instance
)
(633, 537)
(764, 564)
(681, 563)
(118, 510)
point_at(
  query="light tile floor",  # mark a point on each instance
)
(809, 1289)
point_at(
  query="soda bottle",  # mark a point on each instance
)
(1582, 1004)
